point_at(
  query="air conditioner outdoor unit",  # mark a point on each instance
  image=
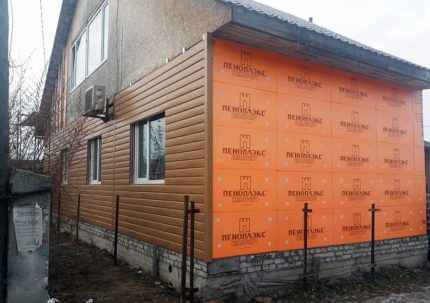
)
(95, 100)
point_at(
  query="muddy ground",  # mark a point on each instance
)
(79, 272)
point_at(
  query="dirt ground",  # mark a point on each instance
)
(79, 272)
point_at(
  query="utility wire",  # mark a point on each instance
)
(43, 31)
(11, 29)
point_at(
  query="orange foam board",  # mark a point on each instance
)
(352, 225)
(396, 222)
(420, 189)
(421, 221)
(304, 79)
(303, 115)
(303, 153)
(354, 156)
(242, 65)
(395, 159)
(243, 190)
(418, 129)
(243, 148)
(238, 106)
(290, 228)
(392, 190)
(353, 122)
(419, 160)
(394, 127)
(354, 190)
(352, 90)
(243, 233)
(296, 188)
(393, 98)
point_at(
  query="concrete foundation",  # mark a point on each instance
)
(254, 275)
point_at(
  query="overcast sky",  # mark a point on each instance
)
(399, 27)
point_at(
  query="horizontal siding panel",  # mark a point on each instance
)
(149, 212)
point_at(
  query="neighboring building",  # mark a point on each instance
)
(251, 112)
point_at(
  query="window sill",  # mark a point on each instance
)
(149, 182)
(95, 183)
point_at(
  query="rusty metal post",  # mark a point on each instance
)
(306, 210)
(115, 241)
(192, 290)
(184, 250)
(372, 243)
(78, 212)
(58, 211)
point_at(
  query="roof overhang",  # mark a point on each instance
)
(63, 27)
(276, 35)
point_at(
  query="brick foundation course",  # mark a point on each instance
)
(253, 275)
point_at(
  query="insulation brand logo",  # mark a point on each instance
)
(245, 193)
(304, 156)
(313, 231)
(244, 111)
(306, 193)
(244, 152)
(305, 82)
(394, 100)
(357, 228)
(396, 161)
(357, 193)
(397, 224)
(354, 126)
(353, 91)
(396, 193)
(354, 160)
(394, 131)
(245, 236)
(245, 69)
(305, 118)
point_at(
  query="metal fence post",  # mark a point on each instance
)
(78, 212)
(372, 243)
(115, 241)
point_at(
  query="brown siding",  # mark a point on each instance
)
(152, 213)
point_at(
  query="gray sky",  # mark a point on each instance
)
(398, 27)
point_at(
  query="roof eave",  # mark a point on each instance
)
(267, 32)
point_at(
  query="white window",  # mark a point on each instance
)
(94, 161)
(64, 158)
(79, 59)
(90, 49)
(149, 150)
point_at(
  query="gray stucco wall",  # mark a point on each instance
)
(142, 34)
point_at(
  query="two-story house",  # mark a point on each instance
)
(249, 111)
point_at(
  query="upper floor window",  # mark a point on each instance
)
(149, 150)
(91, 48)
(94, 161)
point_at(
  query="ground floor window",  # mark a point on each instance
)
(149, 150)
(94, 161)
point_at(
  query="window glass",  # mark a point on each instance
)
(149, 150)
(157, 149)
(142, 150)
(80, 55)
(105, 31)
(95, 42)
(95, 160)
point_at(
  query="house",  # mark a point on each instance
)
(249, 111)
